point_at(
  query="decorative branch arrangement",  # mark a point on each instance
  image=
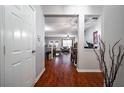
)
(109, 72)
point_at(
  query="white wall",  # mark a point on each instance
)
(39, 44)
(86, 58)
(0, 44)
(113, 31)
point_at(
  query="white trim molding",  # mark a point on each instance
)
(2, 46)
(38, 77)
(88, 70)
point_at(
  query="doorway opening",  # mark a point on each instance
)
(61, 38)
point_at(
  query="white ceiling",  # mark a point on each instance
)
(61, 25)
(58, 22)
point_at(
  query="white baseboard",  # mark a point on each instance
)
(88, 70)
(75, 64)
(38, 77)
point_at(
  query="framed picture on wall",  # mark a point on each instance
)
(92, 31)
(95, 37)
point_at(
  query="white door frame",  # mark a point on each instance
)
(34, 42)
(2, 48)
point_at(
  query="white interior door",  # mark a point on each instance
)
(1, 46)
(19, 30)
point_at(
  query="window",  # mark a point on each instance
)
(53, 43)
(67, 43)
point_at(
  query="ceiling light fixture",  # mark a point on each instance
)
(47, 28)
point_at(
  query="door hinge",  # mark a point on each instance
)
(4, 50)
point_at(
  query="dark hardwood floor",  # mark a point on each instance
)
(60, 72)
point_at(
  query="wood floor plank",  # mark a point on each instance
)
(60, 72)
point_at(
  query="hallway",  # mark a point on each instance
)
(60, 72)
(29, 33)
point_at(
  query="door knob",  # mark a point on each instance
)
(33, 51)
